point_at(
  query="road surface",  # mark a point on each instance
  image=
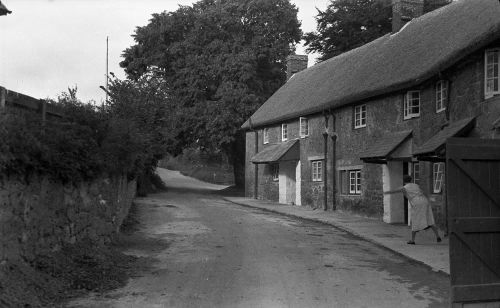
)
(206, 252)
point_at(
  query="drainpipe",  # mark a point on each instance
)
(334, 160)
(256, 167)
(325, 174)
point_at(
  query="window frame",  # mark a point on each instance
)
(354, 177)
(265, 135)
(301, 126)
(437, 177)
(441, 95)
(284, 132)
(275, 172)
(407, 107)
(360, 111)
(415, 170)
(317, 170)
(487, 93)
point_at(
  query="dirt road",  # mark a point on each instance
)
(206, 252)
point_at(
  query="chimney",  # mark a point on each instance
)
(431, 5)
(405, 10)
(295, 63)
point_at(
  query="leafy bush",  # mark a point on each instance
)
(89, 142)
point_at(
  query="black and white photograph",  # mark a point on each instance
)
(250, 153)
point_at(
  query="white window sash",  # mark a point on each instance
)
(304, 127)
(438, 173)
(266, 136)
(491, 72)
(284, 132)
(317, 171)
(352, 182)
(441, 95)
(410, 104)
(360, 116)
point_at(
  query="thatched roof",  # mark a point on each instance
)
(423, 48)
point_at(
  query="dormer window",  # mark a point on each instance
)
(492, 68)
(411, 105)
(441, 95)
(284, 132)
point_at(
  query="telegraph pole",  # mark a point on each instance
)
(107, 68)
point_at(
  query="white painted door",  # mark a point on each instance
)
(392, 178)
(287, 182)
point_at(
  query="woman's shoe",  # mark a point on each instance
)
(411, 243)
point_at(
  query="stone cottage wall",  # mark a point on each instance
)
(42, 215)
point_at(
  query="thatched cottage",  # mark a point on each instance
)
(340, 132)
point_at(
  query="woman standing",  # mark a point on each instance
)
(421, 211)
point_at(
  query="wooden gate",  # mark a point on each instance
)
(473, 199)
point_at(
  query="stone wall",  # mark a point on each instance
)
(42, 215)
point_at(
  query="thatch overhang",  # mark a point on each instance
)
(421, 50)
(284, 151)
(434, 148)
(391, 146)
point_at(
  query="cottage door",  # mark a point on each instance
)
(473, 196)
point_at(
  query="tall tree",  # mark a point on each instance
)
(220, 60)
(347, 24)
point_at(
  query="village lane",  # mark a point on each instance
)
(204, 251)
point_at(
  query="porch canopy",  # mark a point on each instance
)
(434, 148)
(284, 151)
(391, 146)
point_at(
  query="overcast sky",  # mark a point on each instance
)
(48, 45)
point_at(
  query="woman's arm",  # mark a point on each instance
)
(397, 190)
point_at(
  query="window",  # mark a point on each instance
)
(275, 171)
(350, 182)
(265, 135)
(360, 116)
(411, 107)
(354, 182)
(304, 127)
(284, 132)
(441, 95)
(437, 177)
(317, 171)
(491, 67)
(416, 172)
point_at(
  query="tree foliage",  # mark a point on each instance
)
(347, 24)
(219, 61)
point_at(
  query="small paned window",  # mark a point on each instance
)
(317, 170)
(284, 132)
(265, 135)
(275, 169)
(304, 127)
(354, 182)
(360, 116)
(411, 105)
(441, 95)
(416, 172)
(492, 68)
(437, 177)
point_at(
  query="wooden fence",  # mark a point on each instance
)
(10, 100)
